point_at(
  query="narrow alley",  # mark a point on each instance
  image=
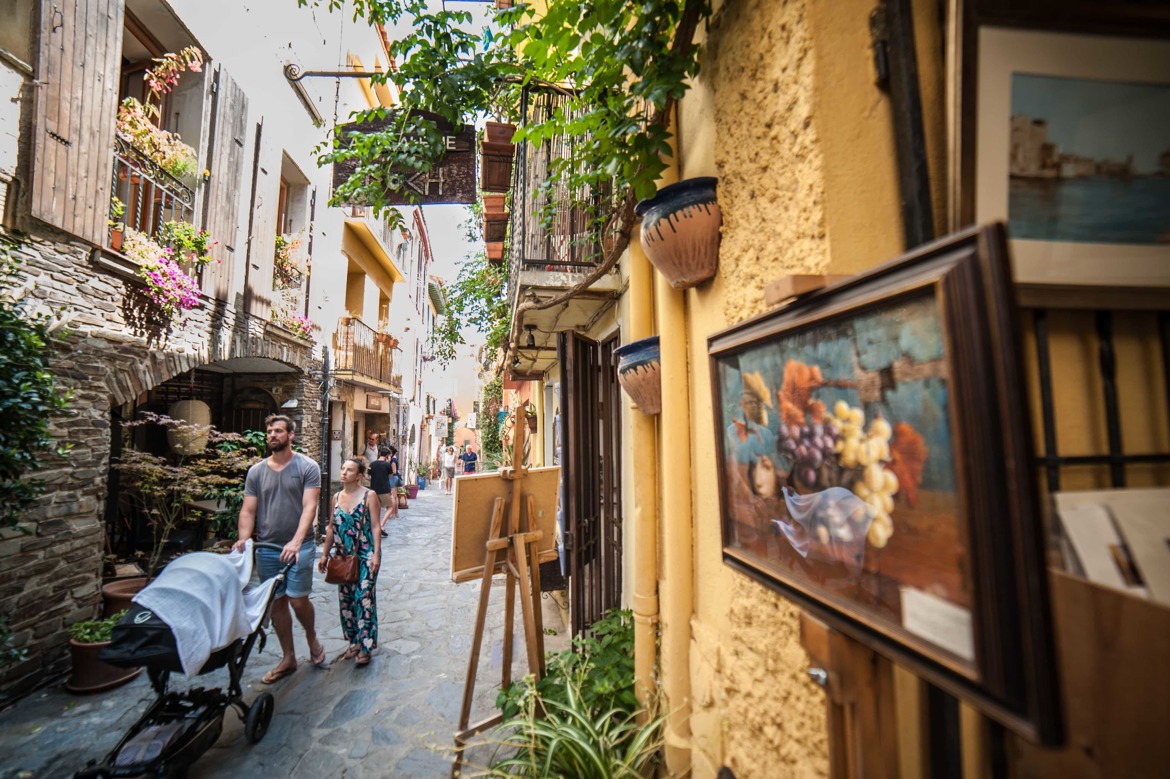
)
(394, 718)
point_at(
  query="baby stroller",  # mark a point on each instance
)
(180, 726)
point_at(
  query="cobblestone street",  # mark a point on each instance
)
(394, 718)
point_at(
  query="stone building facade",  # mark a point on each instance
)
(62, 163)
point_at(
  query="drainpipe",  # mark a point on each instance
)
(674, 451)
(645, 487)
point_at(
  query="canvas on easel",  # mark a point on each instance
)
(474, 496)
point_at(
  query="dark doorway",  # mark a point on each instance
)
(591, 470)
(248, 409)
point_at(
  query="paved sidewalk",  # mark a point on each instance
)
(393, 718)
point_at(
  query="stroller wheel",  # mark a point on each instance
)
(258, 716)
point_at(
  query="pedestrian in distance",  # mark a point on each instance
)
(449, 459)
(395, 480)
(469, 457)
(351, 531)
(280, 503)
(379, 471)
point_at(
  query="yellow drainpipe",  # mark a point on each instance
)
(645, 487)
(677, 536)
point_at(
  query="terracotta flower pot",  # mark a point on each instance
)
(89, 674)
(412, 491)
(499, 132)
(118, 594)
(680, 231)
(639, 373)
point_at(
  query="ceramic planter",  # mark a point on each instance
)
(411, 491)
(680, 231)
(640, 375)
(90, 674)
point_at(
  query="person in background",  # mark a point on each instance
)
(379, 471)
(351, 531)
(395, 480)
(449, 459)
(469, 457)
(280, 504)
(371, 451)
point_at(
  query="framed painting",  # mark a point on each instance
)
(873, 452)
(1058, 133)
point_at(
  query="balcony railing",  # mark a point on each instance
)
(151, 197)
(568, 243)
(379, 227)
(364, 352)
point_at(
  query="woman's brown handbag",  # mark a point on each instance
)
(342, 569)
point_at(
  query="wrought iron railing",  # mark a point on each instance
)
(567, 242)
(362, 350)
(151, 197)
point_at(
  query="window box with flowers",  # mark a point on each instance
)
(191, 246)
(169, 288)
(300, 326)
(137, 123)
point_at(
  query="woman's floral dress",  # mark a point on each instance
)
(353, 534)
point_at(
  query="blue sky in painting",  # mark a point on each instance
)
(1098, 119)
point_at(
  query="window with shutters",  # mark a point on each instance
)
(290, 267)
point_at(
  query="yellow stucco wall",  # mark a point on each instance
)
(786, 114)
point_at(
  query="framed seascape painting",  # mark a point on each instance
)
(1070, 148)
(874, 467)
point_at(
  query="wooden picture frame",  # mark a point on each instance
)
(875, 468)
(1045, 58)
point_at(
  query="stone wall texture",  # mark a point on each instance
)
(51, 567)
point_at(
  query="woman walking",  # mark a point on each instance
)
(351, 532)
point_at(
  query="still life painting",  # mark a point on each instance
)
(841, 468)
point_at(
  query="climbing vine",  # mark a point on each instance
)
(29, 393)
(493, 398)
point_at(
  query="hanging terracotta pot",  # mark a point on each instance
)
(499, 132)
(640, 375)
(680, 231)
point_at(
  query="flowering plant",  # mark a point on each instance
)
(300, 326)
(169, 288)
(287, 271)
(138, 124)
(188, 241)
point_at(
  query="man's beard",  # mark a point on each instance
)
(277, 447)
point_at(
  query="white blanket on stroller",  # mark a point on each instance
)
(202, 596)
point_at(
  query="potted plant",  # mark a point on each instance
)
(90, 674)
(190, 245)
(403, 497)
(117, 209)
(530, 415)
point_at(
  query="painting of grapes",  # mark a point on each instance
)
(839, 466)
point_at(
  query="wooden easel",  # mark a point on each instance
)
(521, 567)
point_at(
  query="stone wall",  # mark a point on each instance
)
(51, 567)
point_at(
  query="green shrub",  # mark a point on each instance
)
(582, 718)
(29, 394)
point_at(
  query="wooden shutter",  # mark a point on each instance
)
(73, 128)
(221, 205)
(262, 240)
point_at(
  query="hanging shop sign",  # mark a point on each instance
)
(449, 182)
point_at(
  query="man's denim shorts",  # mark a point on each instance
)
(299, 582)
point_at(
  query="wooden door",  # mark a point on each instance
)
(591, 472)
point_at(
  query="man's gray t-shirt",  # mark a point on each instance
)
(279, 496)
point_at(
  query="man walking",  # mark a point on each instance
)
(469, 457)
(280, 504)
